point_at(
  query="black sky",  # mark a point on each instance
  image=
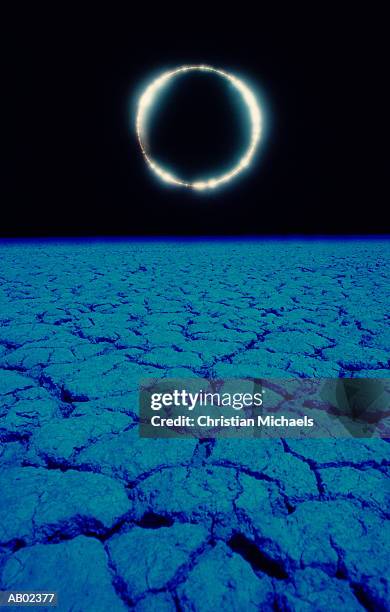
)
(73, 166)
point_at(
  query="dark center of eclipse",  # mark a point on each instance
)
(198, 126)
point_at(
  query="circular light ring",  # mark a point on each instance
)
(149, 96)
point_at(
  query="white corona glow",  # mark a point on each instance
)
(148, 98)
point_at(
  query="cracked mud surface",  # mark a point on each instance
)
(113, 521)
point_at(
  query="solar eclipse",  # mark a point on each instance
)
(150, 97)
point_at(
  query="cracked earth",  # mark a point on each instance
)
(112, 521)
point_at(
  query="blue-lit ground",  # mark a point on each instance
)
(113, 521)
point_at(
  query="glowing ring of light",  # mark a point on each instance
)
(147, 99)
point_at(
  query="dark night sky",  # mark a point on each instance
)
(73, 166)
